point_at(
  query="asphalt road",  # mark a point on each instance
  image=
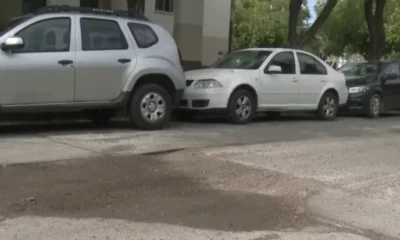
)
(291, 178)
(68, 140)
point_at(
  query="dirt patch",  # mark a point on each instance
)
(148, 189)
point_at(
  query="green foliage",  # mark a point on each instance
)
(262, 23)
(345, 32)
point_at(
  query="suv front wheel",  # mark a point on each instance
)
(150, 107)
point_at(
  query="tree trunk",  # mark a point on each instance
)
(294, 13)
(294, 40)
(322, 17)
(376, 29)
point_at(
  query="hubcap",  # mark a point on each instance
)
(243, 107)
(375, 105)
(329, 106)
(153, 107)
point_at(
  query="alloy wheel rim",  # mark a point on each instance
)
(375, 105)
(153, 107)
(243, 107)
(329, 106)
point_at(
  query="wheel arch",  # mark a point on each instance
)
(160, 79)
(246, 87)
(334, 91)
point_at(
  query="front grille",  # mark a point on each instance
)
(189, 82)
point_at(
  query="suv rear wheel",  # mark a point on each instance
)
(150, 107)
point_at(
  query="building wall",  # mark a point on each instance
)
(215, 29)
(165, 19)
(13, 9)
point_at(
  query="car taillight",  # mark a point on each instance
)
(180, 56)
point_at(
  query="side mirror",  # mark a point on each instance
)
(12, 43)
(273, 69)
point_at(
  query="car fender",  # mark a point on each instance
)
(236, 84)
(155, 66)
(341, 94)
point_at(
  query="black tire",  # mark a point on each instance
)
(373, 112)
(232, 107)
(185, 116)
(330, 99)
(135, 107)
(101, 116)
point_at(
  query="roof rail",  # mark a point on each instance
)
(99, 11)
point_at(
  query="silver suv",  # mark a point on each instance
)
(94, 61)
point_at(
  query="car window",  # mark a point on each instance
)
(310, 65)
(144, 35)
(99, 34)
(360, 69)
(285, 60)
(50, 35)
(391, 69)
(250, 60)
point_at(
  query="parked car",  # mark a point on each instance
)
(91, 60)
(271, 80)
(373, 88)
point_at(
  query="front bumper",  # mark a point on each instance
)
(204, 99)
(358, 102)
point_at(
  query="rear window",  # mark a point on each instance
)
(144, 35)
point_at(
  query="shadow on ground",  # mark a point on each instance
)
(141, 189)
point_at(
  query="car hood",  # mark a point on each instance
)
(218, 74)
(353, 81)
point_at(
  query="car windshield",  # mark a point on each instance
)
(242, 60)
(359, 69)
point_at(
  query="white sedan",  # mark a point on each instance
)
(271, 80)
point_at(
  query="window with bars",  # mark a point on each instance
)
(165, 5)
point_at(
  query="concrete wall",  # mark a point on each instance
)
(201, 29)
(165, 19)
(215, 29)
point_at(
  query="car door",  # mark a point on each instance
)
(104, 60)
(312, 80)
(390, 80)
(42, 71)
(280, 89)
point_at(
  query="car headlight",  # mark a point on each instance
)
(207, 83)
(361, 89)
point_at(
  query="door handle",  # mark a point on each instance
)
(323, 80)
(123, 60)
(295, 80)
(65, 62)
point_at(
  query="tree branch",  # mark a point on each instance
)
(322, 17)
